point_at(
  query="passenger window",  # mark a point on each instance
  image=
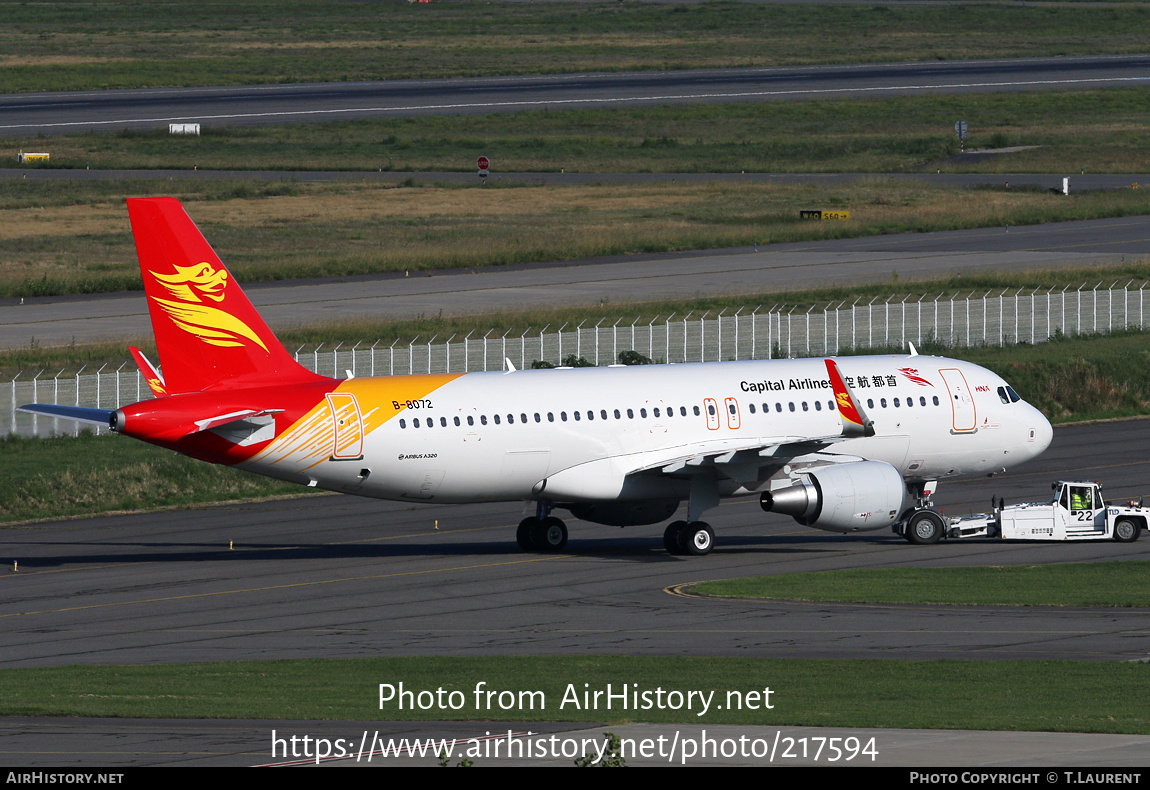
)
(696, 411)
(603, 413)
(470, 420)
(496, 416)
(896, 403)
(870, 403)
(618, 416)
(563, 416)
(510, 419)
(751, 407)
(818, 405)
(550, 416)
(630, 414)
(883, 402)
(682, 411)
(778, 407)
(415, 422)
(456, 422)
(711, 410)
(922, 400)
(523, 418)
(643, 413)
(402, 423)
(655, 411)
(935, 399)
(538, 418)
(442, 422)
(791, 405)
(482, 419)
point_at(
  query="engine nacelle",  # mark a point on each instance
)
(848, 497)
(624, 514)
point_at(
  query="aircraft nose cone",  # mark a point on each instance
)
(1043, 433)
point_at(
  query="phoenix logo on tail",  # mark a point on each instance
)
(191, 285)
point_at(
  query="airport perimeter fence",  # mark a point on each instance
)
(955, 320)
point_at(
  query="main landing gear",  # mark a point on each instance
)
(542, 532)
(695, 538)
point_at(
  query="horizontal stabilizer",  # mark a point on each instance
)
(77, 413)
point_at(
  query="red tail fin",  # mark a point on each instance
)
(207, 332)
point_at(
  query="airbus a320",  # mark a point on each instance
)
(846, 444)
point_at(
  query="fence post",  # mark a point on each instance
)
(666, 342)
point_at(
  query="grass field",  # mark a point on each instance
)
(84, 44)
(1000, 695)
(285, 231)
(89, 475)
(1097, 131)
(1074, 584)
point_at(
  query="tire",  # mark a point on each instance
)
(1126, 530)
(699, 538)
(673, 538)
(523, 534)
(549, 535)
(925, 527)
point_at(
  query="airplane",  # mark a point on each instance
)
(840, 444)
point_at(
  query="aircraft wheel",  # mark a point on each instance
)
(673, 538)
(1126, 530)
(549, 535)
(925, 527)
(523, 534)
(699, 538)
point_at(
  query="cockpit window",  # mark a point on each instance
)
(1014, 396)
(1002, 396)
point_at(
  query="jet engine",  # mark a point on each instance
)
(848, 497)
(624, 514)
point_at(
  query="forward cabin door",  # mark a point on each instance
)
(961, 402)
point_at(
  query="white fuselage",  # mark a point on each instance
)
(498, 436)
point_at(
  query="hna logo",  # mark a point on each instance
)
(191, 286)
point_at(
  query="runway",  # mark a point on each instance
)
(909, 257)
(58, 112)
(336, 576)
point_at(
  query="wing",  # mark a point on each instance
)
(739, 459)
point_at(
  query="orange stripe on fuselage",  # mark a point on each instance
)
(310, 440)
